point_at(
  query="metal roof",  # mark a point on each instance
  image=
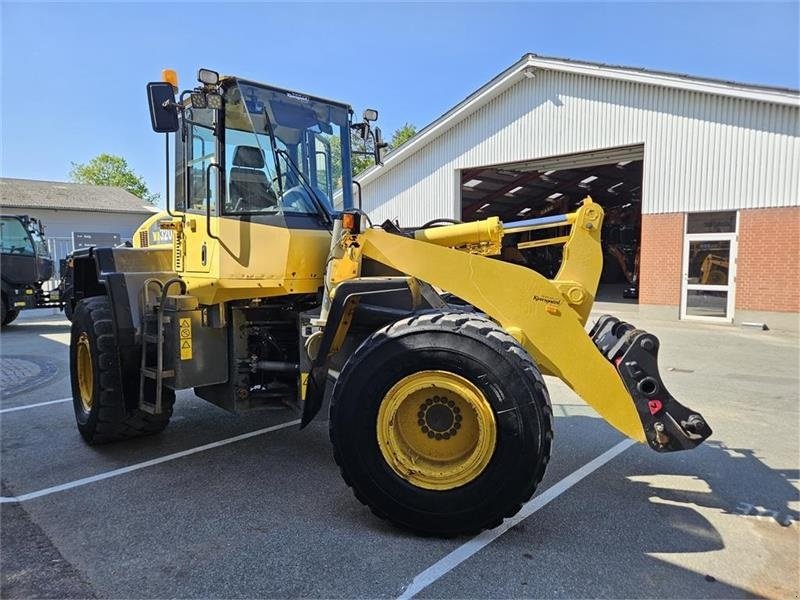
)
(58, 195)
(530, 63)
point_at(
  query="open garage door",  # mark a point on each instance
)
(537, 188)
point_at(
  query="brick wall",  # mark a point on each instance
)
(768, 261)
(660, 259)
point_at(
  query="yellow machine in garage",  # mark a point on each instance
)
(266, 286)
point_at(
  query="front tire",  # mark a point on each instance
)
(97, 389)
(441, 423)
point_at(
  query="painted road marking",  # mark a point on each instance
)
(27, 406)
(480, 541)
(143, 465)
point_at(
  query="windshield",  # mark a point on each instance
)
(284, 152)
(16, 238)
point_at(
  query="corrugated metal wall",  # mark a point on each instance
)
(702, 152)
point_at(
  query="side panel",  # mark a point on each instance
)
(252, 256)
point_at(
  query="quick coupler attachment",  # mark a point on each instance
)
(668, 425)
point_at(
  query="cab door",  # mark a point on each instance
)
(196, 248)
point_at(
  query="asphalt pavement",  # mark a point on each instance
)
(248, 506)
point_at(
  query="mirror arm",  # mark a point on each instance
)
(166, 153)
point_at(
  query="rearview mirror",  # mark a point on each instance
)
(380, 145)
(163, 110)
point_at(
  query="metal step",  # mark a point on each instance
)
(153, 373)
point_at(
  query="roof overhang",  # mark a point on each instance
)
(146, 210)
(528, 66)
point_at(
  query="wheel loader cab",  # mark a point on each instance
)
(256, 178)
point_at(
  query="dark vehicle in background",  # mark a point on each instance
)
(25, 264)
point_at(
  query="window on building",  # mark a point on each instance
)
(711, 222)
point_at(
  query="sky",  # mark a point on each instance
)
(73, 75)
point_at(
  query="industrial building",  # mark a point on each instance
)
(700, 180)
(73, 213)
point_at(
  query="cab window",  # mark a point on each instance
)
(200, 145)
(14, 238)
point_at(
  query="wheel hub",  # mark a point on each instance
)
(439, 418)
(436, 430)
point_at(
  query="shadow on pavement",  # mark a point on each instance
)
(605, 537)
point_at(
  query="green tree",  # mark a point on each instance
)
(402, 135)
(112, 170)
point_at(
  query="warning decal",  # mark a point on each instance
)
(185, 334)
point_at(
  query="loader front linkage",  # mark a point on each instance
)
(547, 317)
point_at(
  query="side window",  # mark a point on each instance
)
(14, 239)
(200, 154)
(252, 177)
(322, 164)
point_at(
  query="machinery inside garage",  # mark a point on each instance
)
(517, 191)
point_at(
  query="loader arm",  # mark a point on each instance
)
(547, 316)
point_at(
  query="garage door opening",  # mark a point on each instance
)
(538, 188)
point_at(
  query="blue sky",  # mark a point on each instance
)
(73, 75)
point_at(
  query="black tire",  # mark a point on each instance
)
(6, 314)
(108, 419)
(475, 348)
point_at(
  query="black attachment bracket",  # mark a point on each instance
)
(668, 425)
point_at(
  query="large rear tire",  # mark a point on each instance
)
(97, 389)
(441, 423)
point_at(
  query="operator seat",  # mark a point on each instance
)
(249, 189)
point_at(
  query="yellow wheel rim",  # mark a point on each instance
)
(436, 430)
(85, 372)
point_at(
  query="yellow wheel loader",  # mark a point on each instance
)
(276, 290)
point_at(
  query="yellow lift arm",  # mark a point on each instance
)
(613, 368)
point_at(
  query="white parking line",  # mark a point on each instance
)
(480, 541)
(27, 406)
(143, 465)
